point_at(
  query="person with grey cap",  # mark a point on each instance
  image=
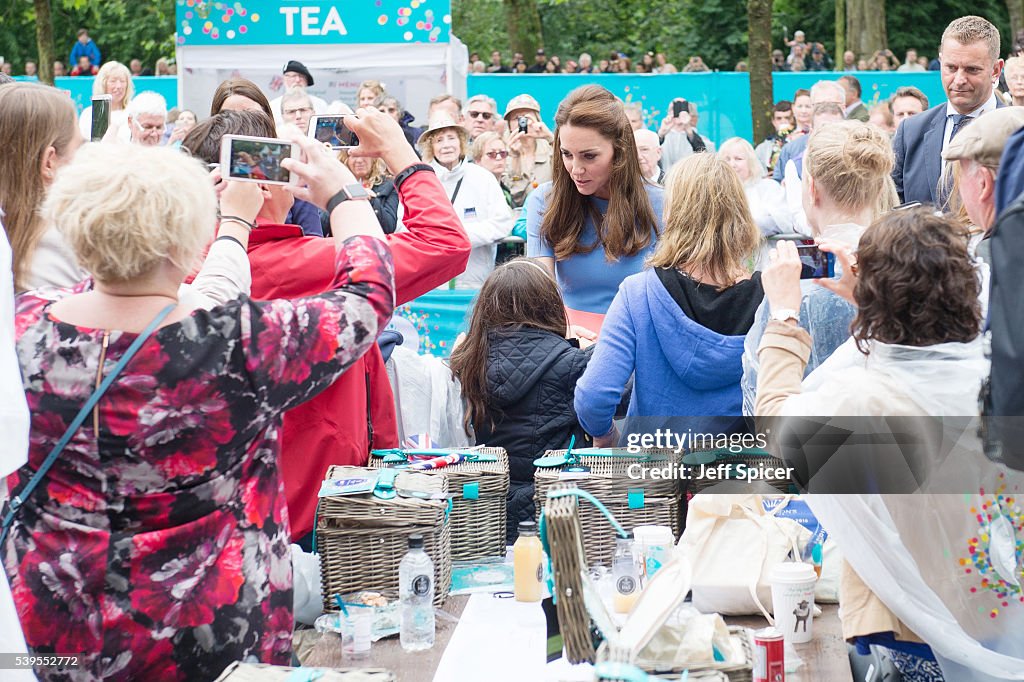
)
(474, 193)
(977, 150)
(296, 75)
(529, 142)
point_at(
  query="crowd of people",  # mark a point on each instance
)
(221, 334)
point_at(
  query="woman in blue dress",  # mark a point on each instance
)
(598, 220)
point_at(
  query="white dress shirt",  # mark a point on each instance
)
(989, 105)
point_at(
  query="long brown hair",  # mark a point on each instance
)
(628, 226)
(32, 119)
(245, 88)
(518, 294)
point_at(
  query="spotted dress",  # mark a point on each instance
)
(157, 547)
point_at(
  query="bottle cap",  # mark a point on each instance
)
(415, 541)
(527, 528)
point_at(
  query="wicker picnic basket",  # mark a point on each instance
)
(565, 549)
(751, 458)
(260, 672)
(361, 539)
(635, 501)
(479, 491)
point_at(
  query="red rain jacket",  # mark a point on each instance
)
(357, 413)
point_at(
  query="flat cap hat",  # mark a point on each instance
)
(984, 138)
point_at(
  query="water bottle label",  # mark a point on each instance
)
(625, 585)
(540, 573)
(421, 585)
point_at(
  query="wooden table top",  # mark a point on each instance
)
(824, 657)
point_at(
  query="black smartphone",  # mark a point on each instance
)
(331, 129)
(679, 106)
(524, 124)
(815, 263)
(100, 117)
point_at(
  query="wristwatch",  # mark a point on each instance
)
(353, 192)
(785, 314)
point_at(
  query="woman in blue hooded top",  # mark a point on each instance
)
(679, 325)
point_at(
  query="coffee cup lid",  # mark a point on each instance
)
(793, 572)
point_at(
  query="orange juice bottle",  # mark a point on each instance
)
(528, 563)
(625, 575)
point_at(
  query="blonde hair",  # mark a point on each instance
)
(376, 87)
(972, 29)
(33, 118)
(852, 163)
(708, 224)
(125, 209)
(757, 171)
(99, 86)
(481, 141)
(378, 170)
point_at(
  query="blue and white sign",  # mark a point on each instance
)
(308, 22)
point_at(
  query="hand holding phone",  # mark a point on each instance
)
(524, 124)
(100, 117)
(815, 263)
(256, 159)
(332, 130)
(679, 106)
(846, 257)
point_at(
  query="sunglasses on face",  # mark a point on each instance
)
(485, 115)
(502, 154)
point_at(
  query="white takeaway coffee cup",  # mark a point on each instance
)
(793, 600)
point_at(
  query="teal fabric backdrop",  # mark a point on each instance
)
(80, 88)
(722, 98)
(439, 317)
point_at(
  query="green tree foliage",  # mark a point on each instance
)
(917, 25)
(679, 29)
(123, 29)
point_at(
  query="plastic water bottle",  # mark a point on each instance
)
(625, 574)
(416, 593)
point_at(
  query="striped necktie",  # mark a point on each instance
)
(959, 121)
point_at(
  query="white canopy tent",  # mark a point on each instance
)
(413, 73)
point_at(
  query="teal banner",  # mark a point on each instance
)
(722, 98)
(80, 88)
(312, 22)
(439, 317)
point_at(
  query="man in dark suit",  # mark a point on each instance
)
(854, 107)
(970, 64)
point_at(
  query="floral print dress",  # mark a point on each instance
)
(157, 547)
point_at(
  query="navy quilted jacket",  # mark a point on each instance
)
(531, 375)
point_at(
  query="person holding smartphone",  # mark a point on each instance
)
(679, 134)
(529, 142)
(847, 184)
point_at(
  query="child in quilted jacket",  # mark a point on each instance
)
(518, 365)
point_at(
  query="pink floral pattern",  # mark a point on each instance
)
(158, 547)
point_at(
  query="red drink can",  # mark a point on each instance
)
(769, 656)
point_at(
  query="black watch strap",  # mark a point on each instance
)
(404, 175)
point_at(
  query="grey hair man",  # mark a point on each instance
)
(479, 115)
(147, 118)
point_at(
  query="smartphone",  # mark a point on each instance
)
(100, 117)
(679, 106)
(909, 204)
(332, 130)
(815, 263)
(256, 159)
(524, 124)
